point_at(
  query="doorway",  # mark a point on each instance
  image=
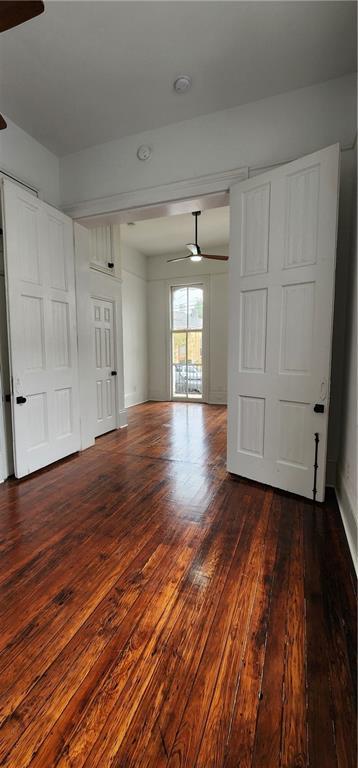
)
(186, 319)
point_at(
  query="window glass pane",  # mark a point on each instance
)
(195, 313)
(179, 364)
(179, 308)
(195, 364)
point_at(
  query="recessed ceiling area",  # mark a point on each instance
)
(155, 237)
(84, 73)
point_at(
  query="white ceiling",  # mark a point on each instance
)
(87, 72)
(155, 237)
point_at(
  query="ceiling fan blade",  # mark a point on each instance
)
(212, 256)
(14, 12)
(181, 258)
(3, 123)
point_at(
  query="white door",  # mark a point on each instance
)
(40, 285)
(5, 427)
(105, 376)
(281, 277)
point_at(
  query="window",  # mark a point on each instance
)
(187, 342)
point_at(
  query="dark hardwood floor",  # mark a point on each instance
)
(155, 612)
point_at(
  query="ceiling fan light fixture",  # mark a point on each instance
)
(193, 248)
(196, 257)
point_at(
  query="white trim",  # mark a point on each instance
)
(348, 516)
(105, 271)
(123, 418)
(147, 196)
(84, 336)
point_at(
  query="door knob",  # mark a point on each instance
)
(113, 373)
(20, 400)
(319, 408)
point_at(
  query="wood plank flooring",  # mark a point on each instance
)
(156, 613)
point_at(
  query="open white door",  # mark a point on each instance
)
(281, 277)
(40, 284)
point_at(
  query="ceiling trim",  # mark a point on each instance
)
(149, 196)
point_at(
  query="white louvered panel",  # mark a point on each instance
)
(253, 330)
(99, 389)
(29, 241)
(294, 420)
(255, 230)
(302, 218)
(251, 425)
(63, 407)
(57, 253)
(34, 355)
(297, 317)
(37, 420)
(61, 334)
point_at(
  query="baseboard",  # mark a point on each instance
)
(217, 397)
(123, 420)
(348, 516)
(140, 402)
(157, 397)
(135, 398)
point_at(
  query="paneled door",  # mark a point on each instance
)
(41, 308)
(281, 278)
(105, 372)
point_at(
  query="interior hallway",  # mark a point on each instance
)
(155, 612)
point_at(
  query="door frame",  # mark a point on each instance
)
(176, 282)
(110, 300)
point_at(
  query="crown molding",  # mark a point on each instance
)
(151, 196)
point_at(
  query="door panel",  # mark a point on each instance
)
(103, 336)
(281, 277)
(41, 305)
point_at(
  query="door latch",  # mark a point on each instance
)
(319, 408)
(20, 400)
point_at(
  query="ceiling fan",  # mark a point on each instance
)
(195, 253)
(14, 12)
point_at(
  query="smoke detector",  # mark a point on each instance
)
(144, 152)
(182, 83)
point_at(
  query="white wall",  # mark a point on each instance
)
(348, 458)
(135, 343)
(30, 162)
(160, 274)
(261, 133)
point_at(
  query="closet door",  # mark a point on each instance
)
(41, 309)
